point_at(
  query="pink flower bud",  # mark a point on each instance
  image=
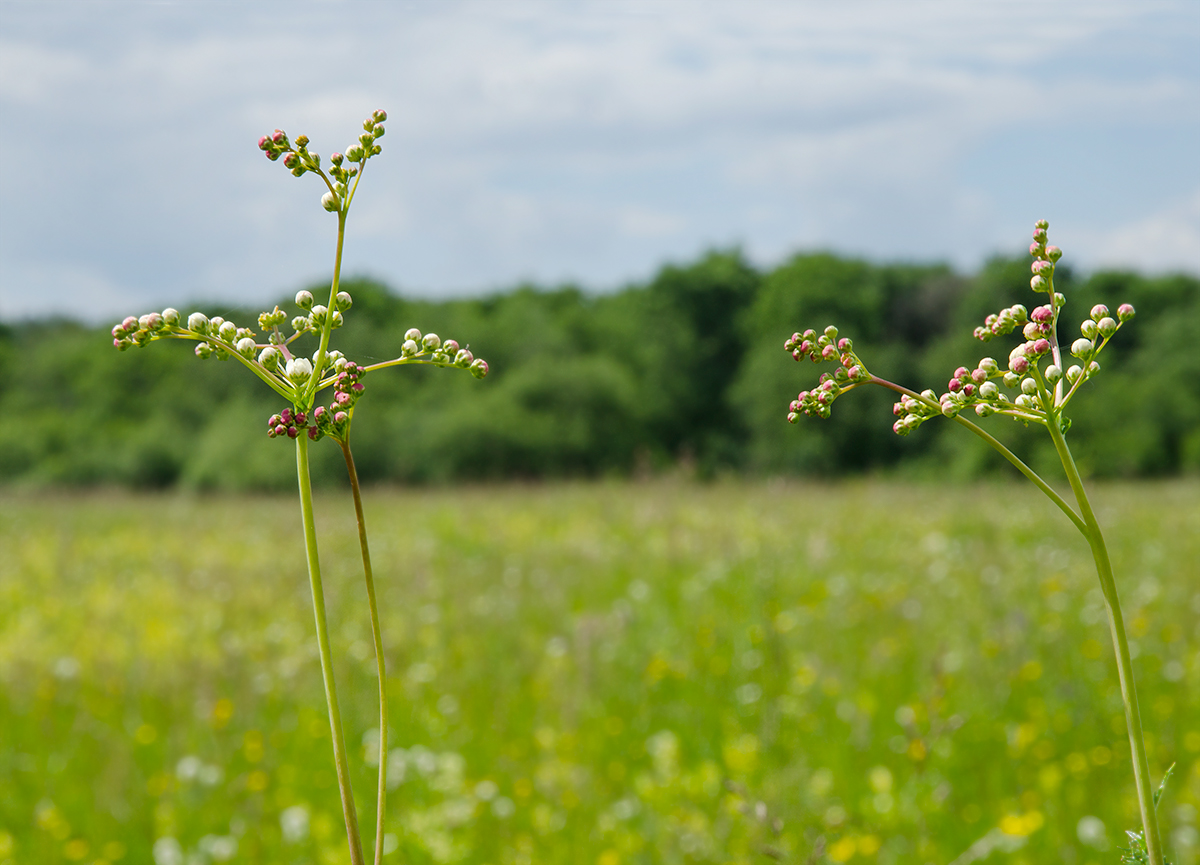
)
(978, 376)
(263, 143)
(1098, 312)
(1125, 311)
(1053, 253)
(1019, 365)
(312, 433)
(1042, 224)
(954, 386)
(898, 409)
(1041, 266)
(795, 406)
(1039, 283)
(278, 136)
(828, 353)
(292, 432)
(285, 416)
(341, 417)
(968, 390)
(844, 344)
(1039, 234)
(855, 373)
(1041, 314)
(280, 429)
(797, 355)
(962, 372)
(1041, 346)
(1035, 249)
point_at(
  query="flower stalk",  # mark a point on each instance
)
(1044, 393)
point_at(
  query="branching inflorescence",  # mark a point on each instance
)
(1041, 391)
(300, 379)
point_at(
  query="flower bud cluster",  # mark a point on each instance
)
(430, 347)
(824, 347)
(977, 388)
(356, 154)
(1045, 258)
(1002, 323)
(911, 412)
(318, 314)
(139, 331)
(297, 158)
(223, 338)
(289, 423)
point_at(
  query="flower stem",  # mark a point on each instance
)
(1116, 624)
(380, 663)
(995, 443)
(318, 595)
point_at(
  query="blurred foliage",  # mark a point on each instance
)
(686, 369)
(658, 673)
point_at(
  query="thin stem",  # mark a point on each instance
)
(991, 440)
(1116, 624)
(318, 595)
(328, 325)
(380, 664)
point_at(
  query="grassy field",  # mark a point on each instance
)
(608, 674)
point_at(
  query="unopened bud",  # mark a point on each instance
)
(988, 390)
(344, 301)
(983, 409)
(269, 357)
(1025, 401)
(1081, 347)
(1011, 379)
(1053, 373)
(204, 350)
(989, 365)
(1126, 311)
(829, 353)
(304, 299)
(1099, 311)
(479, 367)
(1074, 373)
(1019, 365)
(450, 347)
(409, 348)
(431, 342)
(1040, 347)
(330, 202)
(1039, 283)
(170, 317)
(831, 332)
(227, 331)
(1107, 327)
(299, 369)
(300, 323)
(198, 322)
(463, 358)
(246, 347)
(1032, 330)
(1089, 328)
(1019, 313)
(1053, 253)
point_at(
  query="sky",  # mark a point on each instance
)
(583, 142)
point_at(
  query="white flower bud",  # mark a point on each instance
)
(304, 299)
(1081, 347)
(269, 357)
(228, 331)
(319, 314)
(409, 348)
(299, 369)
(413, 334)
(336, 319)
(344, 301)
(1029, 386)
(1053, 373)
(300, 323)
(988, 390)
(1038, 283)
(1107, 327)
(1089, 329)
(1011, 379)
(171, 317)
(329, 201)
(431, 342)
(1074, 373)
(198, 322)
(246, 347)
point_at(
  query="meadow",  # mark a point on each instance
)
(609, 673)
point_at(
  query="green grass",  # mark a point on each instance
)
(624, 673)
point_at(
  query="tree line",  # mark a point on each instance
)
(685, 370)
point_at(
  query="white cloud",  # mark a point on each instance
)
(588, 140)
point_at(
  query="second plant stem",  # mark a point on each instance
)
(380, 662)
(318, 596)
(1116, 624)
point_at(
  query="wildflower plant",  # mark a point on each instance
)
(302, 381)
(1042, 386)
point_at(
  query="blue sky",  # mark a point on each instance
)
(586, 142)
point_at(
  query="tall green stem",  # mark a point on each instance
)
(1116, 624)
(380, 664)
(318, 596)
